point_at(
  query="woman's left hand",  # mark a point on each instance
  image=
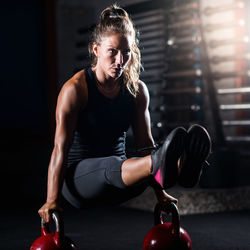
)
(164, 197)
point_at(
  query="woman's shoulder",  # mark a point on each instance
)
(78, 80)
(143, 93)
(77, 83)
(142, 86)
(75, 89)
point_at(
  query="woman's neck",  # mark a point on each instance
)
(109, 87)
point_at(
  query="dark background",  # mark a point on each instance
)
(28, 95)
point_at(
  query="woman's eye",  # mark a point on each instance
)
(127, 52)
(112, 51)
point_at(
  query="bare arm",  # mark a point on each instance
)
(143, 135)
(141, 121)
(71, 99)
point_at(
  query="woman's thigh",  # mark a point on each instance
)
(97, 180)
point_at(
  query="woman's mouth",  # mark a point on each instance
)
(118, 70)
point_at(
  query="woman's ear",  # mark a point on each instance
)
(95, 48)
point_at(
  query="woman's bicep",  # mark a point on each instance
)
(65, 127)
(141, 121)
(67, 109)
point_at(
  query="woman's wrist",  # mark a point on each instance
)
(154, 184)
(53, 200)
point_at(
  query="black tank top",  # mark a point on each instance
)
(102, 125)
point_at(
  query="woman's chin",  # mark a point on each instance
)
(116, 75)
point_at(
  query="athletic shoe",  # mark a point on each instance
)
(197, 150)
(165, 159)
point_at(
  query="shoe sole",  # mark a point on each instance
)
(197, 150)
(174, 149)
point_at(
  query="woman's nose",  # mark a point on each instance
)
(119, 58)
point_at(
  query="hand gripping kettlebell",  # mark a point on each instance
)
(53, 241)
(167, 236)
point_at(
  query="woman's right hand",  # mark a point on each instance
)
(46, 210)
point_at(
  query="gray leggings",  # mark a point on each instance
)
(98, 181)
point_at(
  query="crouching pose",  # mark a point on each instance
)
(95, 108)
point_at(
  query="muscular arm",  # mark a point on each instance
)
(66, 115)
(71, 99)
(141, 122)
(143, 136)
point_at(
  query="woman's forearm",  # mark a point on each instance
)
(55, 175)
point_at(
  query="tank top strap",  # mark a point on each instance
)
(90, 79)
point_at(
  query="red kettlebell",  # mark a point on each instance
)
(167, 236)
(53, 241)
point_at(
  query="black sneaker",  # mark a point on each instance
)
(197, 150)
(165, 159)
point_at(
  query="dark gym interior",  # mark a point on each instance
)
(196, 58)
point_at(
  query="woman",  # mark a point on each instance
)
(95, 109)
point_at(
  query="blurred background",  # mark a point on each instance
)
(195, 55)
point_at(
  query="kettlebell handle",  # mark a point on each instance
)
(169, 208)
(58, 220)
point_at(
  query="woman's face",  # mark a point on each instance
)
(113, 54)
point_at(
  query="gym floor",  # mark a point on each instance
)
(121, 228)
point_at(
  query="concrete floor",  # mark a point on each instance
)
(121, 228)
